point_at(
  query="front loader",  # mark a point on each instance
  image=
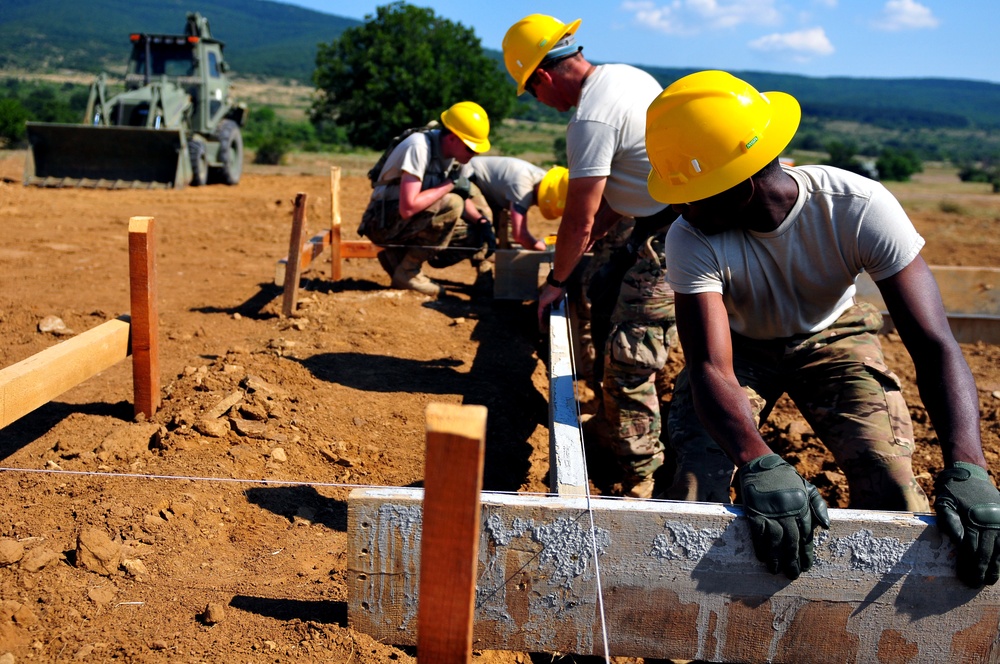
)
(175, 123)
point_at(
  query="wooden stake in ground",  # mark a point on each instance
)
(145, 327)
(293, 269)
(449, 546)
(335, 257)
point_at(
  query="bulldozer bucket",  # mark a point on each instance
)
(68, 155)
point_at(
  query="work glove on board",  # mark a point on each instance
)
(481, 233)
(783, 509)
(462, 187)
(968, 510)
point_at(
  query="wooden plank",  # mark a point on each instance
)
(567, 465)
(336, 269)
(453, 479)
(42, 377)
(293, 270)
(145, 315)
(971, 297)
(679, 580)
(516, 274)
(359, 249)
(312, 249)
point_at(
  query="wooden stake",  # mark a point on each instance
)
(453, 480)
(335, 257)
(145, 315)
(293, 269)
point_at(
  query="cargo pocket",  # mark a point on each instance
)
(895, 404)
(643, 347)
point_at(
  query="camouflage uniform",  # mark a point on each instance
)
(840, 383)
(633, 324)
(437, 227)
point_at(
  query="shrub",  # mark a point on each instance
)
(271, 150)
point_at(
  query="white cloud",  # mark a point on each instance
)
(801, 45)
(905, 15)
(679, 17)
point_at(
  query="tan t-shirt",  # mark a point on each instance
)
(798, 278)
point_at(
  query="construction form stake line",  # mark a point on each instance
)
(36, 380)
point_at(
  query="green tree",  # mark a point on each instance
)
(401, 69)
(898, 165)
(12, 119)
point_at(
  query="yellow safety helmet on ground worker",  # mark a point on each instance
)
(469, 122)
(528, 41)
(552, 192)
(709, 131)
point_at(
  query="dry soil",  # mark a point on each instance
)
(115, 564)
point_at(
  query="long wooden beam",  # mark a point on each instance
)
(42, 377)
(293, 269)
(567, 467)
(971, 297)
(679, 580)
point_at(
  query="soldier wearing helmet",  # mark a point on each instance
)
(423, 201)
(511, 186)
(632, 304)
(763, 262)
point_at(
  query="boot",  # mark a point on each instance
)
(483, 286)
(407, 274)
(638, 487)
(390, 258)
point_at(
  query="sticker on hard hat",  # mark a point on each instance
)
(752, 141)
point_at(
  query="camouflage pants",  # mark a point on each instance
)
(839, 381)
(436, 226)
(636, 349)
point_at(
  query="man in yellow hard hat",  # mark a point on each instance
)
(763, 262)
(511, 186)
(607, 182)
(422, 197)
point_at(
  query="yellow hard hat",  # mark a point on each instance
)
(528, 41)
(469, 122)
(552, 192)
(709, 131)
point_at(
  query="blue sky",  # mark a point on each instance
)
(858, 38)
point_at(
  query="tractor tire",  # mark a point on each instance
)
(230, 153)
(199, 162)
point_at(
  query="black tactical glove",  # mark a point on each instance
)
(968, 510)
(783, 509)
(481, 234)
(462, 187)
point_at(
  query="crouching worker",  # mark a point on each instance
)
(423, 201)
(763, 263)
(511, 186)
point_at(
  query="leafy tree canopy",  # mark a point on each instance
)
(400, 69)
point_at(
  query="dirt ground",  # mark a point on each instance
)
(220, 566)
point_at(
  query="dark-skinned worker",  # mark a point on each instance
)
(763, 262)
(633, 310)
(423, 201)
(511, 186)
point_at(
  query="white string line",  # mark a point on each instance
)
(586, 479)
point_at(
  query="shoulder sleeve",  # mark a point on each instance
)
(692, 266)
(416, 154)
(590, 147)
(887, 240)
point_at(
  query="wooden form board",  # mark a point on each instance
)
(42, 377)
(314, 248)
(971, 297)
(567, 467)
(678, 580)
(516, 274)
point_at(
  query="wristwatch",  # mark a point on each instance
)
(552, 281)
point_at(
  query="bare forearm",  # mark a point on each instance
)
(948, 391)
(724, 411)
(422, 200)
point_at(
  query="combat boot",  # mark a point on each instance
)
(407, 274)
(390, 258)
(638, 487)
